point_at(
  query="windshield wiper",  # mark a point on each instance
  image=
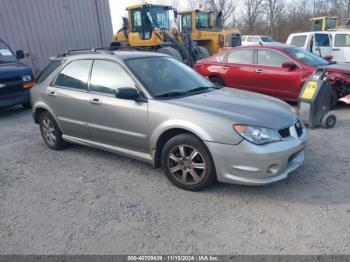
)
(191, 91)
(202, 88)
(171, 94)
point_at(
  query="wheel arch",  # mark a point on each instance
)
(39, 108)
(160, 137)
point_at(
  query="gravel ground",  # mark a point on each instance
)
(86, 201)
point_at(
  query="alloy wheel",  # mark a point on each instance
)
(186, 164)
(48, 130)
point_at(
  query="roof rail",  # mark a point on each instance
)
(87, 50)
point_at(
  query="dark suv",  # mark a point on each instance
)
(15, 78)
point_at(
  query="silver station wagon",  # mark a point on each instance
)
(153, 108)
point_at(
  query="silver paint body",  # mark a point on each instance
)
(133, 128)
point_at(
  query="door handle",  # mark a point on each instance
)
(224, 67)
(336, 49)
(259, 71)
(95, 101)
(52, 93)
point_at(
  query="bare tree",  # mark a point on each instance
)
(274, 11)
(252, 11)
(226, 7)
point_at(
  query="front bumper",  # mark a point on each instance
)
(251, 164)
(13, 99)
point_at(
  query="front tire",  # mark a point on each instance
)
(50, 131)
(187, 163)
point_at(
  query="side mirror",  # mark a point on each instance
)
(129, 93)
(328, 58)
(19, 54)
(289, 65)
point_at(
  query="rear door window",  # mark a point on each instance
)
(48, 70)
(322, 40)
(75, 75)
(271, 58)
(342, 40)
(298, 40)
(107, 77)
(241, 57)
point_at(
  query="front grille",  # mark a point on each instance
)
(299, 128)
(289, 131)
(10, 85)
(284, 133)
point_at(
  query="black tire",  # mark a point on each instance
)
(334, 100)
(27, 105)
(204, 52)
(171, 51)
(50, 131)
(217, 81)
(193, 169)
(329, 120)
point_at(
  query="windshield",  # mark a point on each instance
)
(331, 22)
(159, 17)
(203, 20)
(165, 76)
(306, 57)
(266, 39)
(6, 55)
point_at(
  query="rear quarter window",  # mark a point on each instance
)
(47, 71)
(298, 40)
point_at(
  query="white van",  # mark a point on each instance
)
(341, 45)
(318, 43)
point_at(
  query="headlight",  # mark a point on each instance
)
(257, 135)
(26, 78)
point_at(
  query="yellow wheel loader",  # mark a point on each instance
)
(148, 28)
(324, 23)
(206, 30)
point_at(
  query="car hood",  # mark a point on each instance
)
(339, 67)
(15, 69)
(242, 107)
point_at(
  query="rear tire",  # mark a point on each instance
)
(187, 163)
(204, 52)
(217, 81)
(171, 51)
(50, 131)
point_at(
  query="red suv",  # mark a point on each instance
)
(275, 70)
